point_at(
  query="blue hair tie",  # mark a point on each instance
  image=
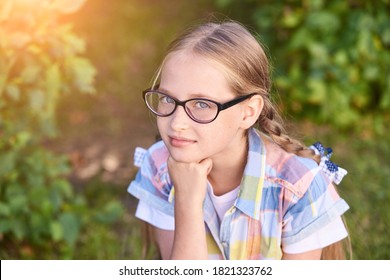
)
(332, 170)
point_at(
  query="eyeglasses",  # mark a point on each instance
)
(200, 110)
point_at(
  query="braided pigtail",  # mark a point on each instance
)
(271, 123)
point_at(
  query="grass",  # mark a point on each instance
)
(367, 191)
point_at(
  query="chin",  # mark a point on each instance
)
(181, 156)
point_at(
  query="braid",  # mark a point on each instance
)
(271, 124)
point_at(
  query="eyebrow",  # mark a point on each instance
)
(190, 95)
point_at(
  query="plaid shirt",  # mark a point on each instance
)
(282, 200)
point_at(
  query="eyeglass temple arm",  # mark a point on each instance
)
(235, 101)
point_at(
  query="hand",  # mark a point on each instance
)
(190, 179)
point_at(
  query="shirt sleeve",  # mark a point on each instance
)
(154, 217)
(331, 233)
(310, 218)
(152, 184)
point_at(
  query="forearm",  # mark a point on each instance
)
(190, 234)
(190, 181)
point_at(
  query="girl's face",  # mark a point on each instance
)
(185, 76)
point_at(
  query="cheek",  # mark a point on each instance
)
(162, 124)
(221, 130)
(231, 118)
(227, 127)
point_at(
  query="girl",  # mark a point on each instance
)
(215, 186)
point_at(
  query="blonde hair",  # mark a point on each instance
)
(244, 62)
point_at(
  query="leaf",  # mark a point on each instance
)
(52, 85)
(22, 139)
(371, 72)
(345, 116)
(301, 38)
(55, 200)
(30, 73)
(110, 213)
(37, 100)
(5, 225)
(71, 227)
(13, 92)
(56, 230)
(64, 187)
(74, 43)
(386, 36)
(18, 203)
(83, 74)
(341, 58)
(360, 100)
(4, 210)
(318, 51)
(318, 90)
(365, 44)
(292, 19)
(39, 223)
(19, 228)
(385, 101)
(7, 162)
(323, 22)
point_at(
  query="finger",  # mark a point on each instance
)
(207, 164)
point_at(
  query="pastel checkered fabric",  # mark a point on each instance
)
(282, 200)
(139, 155)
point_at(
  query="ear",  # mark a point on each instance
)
(251, 111)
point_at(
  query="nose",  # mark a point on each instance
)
(179, 120)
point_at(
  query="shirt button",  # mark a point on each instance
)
(224, 244)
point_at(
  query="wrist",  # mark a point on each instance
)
(189, 203)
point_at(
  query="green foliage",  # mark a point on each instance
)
(331, 58)
(40, 60)
(365, 189)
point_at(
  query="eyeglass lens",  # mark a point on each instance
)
(198, 109)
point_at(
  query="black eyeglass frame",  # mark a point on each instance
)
(220, 106)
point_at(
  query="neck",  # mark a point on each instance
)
(228, 169)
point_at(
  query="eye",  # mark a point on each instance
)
(202, 105)
(166, 99)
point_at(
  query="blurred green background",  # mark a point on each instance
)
(71, 112)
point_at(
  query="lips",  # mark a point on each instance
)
(180, 141)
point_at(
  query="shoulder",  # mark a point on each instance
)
(156, 155)
(154, 160)
(153, 174)
(290, 171)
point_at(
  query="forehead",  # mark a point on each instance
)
(185, 75)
